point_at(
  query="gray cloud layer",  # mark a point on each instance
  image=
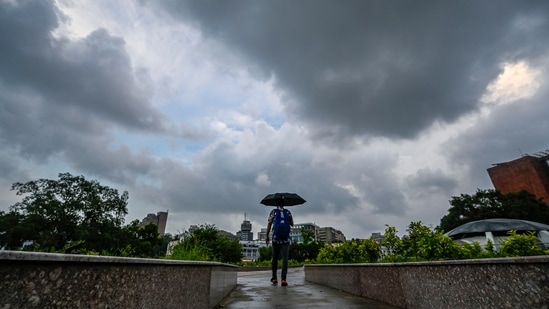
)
(371, 68)
(79, 86)
(351, 76)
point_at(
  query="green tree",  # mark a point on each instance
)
(12, 231)
(308, 236)
(423, 243)
(392, 243)
(486, 204)
(306, 251)
(416, 232)
(265, 253)
(56, 213)
(160, 248)
(437, 246)
(141, 241)
(207, 240)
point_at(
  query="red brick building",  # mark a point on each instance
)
(530, 173)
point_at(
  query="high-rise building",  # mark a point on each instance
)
(245, 233)
(530, 173)
(261, 234)
(160, 220)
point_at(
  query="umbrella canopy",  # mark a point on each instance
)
(287, 199)
(495, 225)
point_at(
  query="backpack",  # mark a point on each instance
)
(282, 219)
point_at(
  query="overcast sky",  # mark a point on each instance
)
(376, 112)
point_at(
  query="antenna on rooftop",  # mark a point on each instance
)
(544, 154)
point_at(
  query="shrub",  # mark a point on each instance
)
(436, 246)
(189, 252)
(520, 245)
(470, 251)
(207, 244)
(353, 251)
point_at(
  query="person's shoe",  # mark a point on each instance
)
(284, 283)
(274, 281)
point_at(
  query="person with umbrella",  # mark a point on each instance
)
(281, 220)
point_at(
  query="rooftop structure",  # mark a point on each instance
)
(530, 173)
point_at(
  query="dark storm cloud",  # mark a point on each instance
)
(56, 91)
(429, 181)
(511, 132)
(375, 68)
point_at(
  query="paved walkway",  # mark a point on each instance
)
(254, 290)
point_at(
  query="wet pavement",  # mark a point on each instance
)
(254, 290)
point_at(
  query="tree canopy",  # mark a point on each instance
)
(54, 214)
(489, 203)
(208, 244)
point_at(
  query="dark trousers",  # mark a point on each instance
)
(280, 249)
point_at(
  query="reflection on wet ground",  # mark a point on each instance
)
(254, 290)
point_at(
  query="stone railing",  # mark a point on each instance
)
(521, 282)
(44, 280)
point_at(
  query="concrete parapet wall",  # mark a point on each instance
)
(44, 280)
(484, 283)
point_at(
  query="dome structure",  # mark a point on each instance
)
(497, 229)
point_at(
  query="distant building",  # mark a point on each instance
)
(324, 234)
(250, 249)
(530, 173)
(245, 233)
(377, 237)
(160, 220)
(295, 232)
(298, 228)
(261, 234)
(330, 235)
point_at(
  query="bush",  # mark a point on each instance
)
(189, 252)
(423, 243)
(520, 245)
(207, 244)
(265, 253)
(437, 246)
(354, 251)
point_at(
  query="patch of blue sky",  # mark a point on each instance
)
(225, 92)
(176, 148)
(275, 120)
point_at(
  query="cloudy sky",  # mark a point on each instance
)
(376, 112)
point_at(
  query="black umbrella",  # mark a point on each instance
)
(287, 199)
(495, 225)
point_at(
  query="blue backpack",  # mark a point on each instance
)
(282, 219)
